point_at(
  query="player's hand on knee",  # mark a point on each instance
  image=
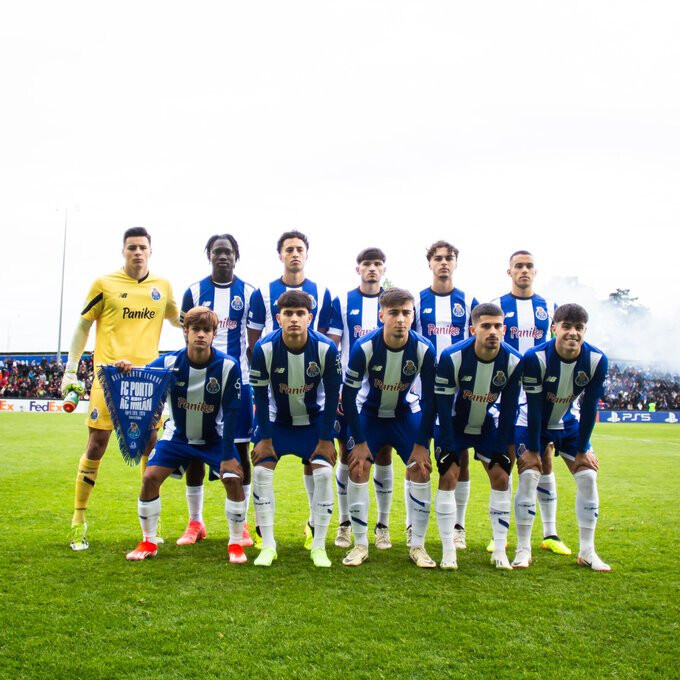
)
(419, 461)
(586, 461)
(529, 460)
(326, 450)
(359, 459)
(231, 467)
(263, 449)
(124, 365)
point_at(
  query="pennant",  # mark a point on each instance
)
(135, 401)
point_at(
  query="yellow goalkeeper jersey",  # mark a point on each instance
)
(129, 315)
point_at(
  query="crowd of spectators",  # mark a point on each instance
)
(636, 389)
(626, 388)
(38, 378)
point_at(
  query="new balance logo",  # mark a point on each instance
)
(354, 312)
(551, 378)
(466, 378)
(279, 370)
(377, 368)
(123, 295)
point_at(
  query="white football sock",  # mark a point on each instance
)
(246, 494)
(263, 499)
(358, 501)
(341, 480)
(309, 488)
(587, 508)
(420, 498)
(462, 494)
(236, 518)
(407, 502)
(149, 512)
(547, 502)
(383, 479)
(195, 502)
(499, 513)
(323, 504)
(445, 509)
(525, 507)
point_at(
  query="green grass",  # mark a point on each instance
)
(191, 614)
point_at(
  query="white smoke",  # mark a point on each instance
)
(635, 337)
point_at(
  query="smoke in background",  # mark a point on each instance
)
(628, 334)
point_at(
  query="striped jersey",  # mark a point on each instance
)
(553, 384)
(262, 314)
(467, 387)
(231, 302)
(354, 315)
(201, 398)
(527, 320)
(295, 387)
(443, 318)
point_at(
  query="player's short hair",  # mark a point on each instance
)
(295, 299)
(217, 237)
(570, 312)
(371, 254)
(441, 244)
(520, 252)
(136, 231)
(294, 233)
(395, 297)
(200, 317)
(485, 309)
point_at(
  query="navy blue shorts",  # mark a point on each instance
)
(484, 444)
(565, 441)
(178, 455)
(399, 433)
(296, 440)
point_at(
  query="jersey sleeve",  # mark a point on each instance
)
(532, 381)
(231, 404)
(324, 320)
(332, 375)
(336, 327)
(354, 376)
(94, 302)
(187, 303)
(508, 412)
(444, 390)
(427, 399)
(259, 379)
(257, 315)
(591, 395)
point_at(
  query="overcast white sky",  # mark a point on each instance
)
(496, 125)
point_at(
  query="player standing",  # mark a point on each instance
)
(470, 377)
(528, 317)
(443, 317)
(357, 314)
(382, 411)
(204, 404)
(296, 377)
(555, 373)
(292, 248)
(229, 297)
(129, 307)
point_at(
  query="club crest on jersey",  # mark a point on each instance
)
(237, 303)
(155, 294)
(458, 310)
(541, 314)
(409, 368)
(499, 379)
(581, 378)
(213, 386)
(313, 369)
(350, 444)
(313, 302)
(94, 415)
(133, 431)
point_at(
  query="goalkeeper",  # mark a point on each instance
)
(129, 307)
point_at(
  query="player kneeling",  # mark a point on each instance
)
(204, 402)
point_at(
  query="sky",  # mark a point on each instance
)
(552, 127)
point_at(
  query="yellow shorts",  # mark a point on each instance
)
(98, 416)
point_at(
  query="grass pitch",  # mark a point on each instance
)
(189, 613)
